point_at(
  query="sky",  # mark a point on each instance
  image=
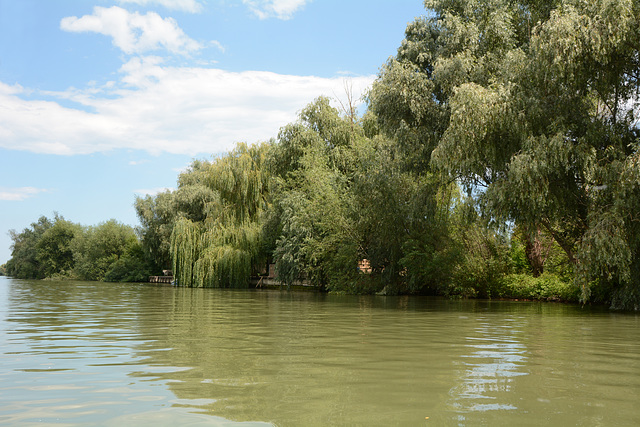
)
(102, 101)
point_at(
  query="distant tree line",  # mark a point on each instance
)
(498, 157)
(59, 249)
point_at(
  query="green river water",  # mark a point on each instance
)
(85, 353)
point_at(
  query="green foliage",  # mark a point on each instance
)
(132, 266)
(97, 248)
(315, 223)
(407, 110)
(533, 106)
(24, 262)
(216, 238)
(344, 194)
(54, 252)
(185, 250)
(547, 287)
(482, 253)
(59, 249)
(290, 254)
(535, 252)
(518, 261)
(157, 217)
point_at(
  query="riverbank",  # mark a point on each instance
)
(523, 287)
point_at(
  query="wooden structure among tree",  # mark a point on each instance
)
(167, 277)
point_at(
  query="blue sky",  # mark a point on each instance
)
(101, 100)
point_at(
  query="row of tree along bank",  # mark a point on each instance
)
(331, 192)
(59, 249)
(498, 157)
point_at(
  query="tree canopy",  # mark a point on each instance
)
(220, 209)
(533, 105)
(58, 248)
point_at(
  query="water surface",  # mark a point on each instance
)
(85, 353)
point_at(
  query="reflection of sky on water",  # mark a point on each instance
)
(495, 357)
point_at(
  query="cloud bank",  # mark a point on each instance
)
(159, 108)
(181, 110)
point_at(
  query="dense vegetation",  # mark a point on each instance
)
(498, 157)
(59, 249)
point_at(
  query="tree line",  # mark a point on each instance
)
(498, 156)
(55, 248)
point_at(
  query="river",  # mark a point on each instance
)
(86, 353)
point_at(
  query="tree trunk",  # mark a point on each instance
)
(534, 251)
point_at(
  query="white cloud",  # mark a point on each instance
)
(217, 45)
(185, 5)
(132, 32)
(163, 109)
(281, 9)
(19, 194)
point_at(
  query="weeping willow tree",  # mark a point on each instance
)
(218, 245)
(185, 249)
(227, 255)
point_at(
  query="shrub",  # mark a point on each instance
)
(547, 287)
